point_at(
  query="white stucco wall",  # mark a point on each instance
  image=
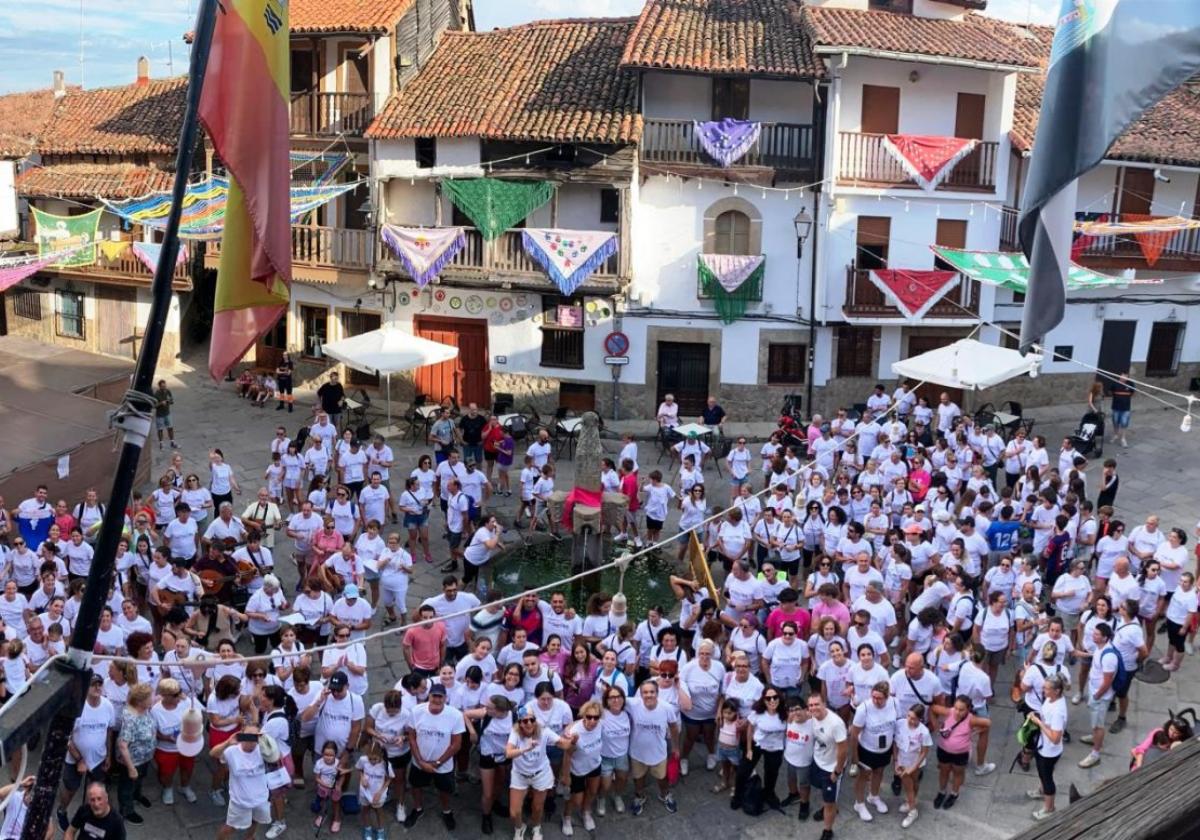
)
(457, 157)
(678, 96)
(8, 198)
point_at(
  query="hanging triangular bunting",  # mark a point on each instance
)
(423, 252)
(569, 256)
(732, 281)
(113, 250)
(926, 158)
(1011, 270)
(914, 292)
(494, 205)
(15, 269)
(1151, 238)
(148, 254)
(727, 140)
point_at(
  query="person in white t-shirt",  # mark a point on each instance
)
(249, 796)
(831, 752)
(434, 738)
(654, 738)
(1181, 610)
(656, 498)
(739, 459)
(668, 412)
(1052, 721)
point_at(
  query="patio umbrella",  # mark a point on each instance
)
(968, 364)
(388, 350)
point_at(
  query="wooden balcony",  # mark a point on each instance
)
(128, 270)
(504, 259)
(1009, 240)
(864, 162)
(1113, 254)
(317, 114)
(788, 147)
(320, 254)
(865, 300)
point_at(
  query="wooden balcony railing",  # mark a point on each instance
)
(865, 300)
(1009, 241)
(1114, 253)
(129, 268)
(324, 247)
(328, 114)
(863, 161)
(504, 255)
(787, 146)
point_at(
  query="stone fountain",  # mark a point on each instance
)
(589, 524)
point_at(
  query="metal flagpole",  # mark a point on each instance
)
(133, 419)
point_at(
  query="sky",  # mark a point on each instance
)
(109, 35)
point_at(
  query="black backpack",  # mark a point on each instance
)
(752, 797)
(301, 438)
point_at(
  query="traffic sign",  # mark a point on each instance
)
(616, 360)
(616, 344)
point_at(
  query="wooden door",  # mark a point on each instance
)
(115, 311)
(466, 378)
(731, 98)
(968, 123)
(918, 344)
(1116, 349)
(874, 235)
(683, 371)
(880, 109)
(1137, 191)
(271, 345)
(357, 323)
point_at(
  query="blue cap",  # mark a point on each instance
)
(351, 591)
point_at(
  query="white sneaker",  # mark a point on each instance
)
(168, 796)
(853, 770)
(710, 763)
(984, 769)
(601, 806)
(567, 829)
(683, 767)
(1187, 646)
(904, 809)
(519, 833)
(620, 538)
(276, 829)
(562, 790)
(637, 542)
(909, 819)
(217, 798)
(619, 804)
(536, 834)
(878, 804)
(1076, 699)
(589, 824)
(188, 793)
(864, 814)
(401, 813)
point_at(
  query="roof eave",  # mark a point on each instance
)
(921, 58)
(700, 71)
(343, 30)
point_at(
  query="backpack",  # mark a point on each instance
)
(301, 438)
(1123, 677)
(78, 512)
(752, 797)
(292, 714)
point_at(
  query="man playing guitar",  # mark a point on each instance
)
(255, 559)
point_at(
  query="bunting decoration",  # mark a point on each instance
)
(727, 140)
(244, 108)
(73, 234)
(423, 252)
(1099, 224)
(914, 292)
(148, 254)
(926, 158)
(205, 202)
(1010, 270)
(494, 205)
(113, 249)
(569, 257)
(15, 269)
(732, 281)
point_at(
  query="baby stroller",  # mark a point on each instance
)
(1088, 439)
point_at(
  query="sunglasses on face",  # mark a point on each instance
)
(591, 717)
(789, 632)
(771, 697)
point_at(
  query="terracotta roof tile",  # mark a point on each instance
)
(23, 118)
(552, 81)
(90, 180)
(129, 119)
(972, 37)
(763, 37)
(1168, 133)
(372, 16)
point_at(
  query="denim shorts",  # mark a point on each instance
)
(415, 520)
(731, 754)
(608, 766)
(1120, 419)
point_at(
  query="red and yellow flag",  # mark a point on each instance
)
(244, 107)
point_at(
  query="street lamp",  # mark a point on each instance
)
(803, 224)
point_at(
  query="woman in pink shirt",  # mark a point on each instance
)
(954, 725)
(827, 605)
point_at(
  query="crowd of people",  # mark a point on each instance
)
(874, 576)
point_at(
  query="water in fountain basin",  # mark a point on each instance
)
(646, 580)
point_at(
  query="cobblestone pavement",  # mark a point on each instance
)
(1152, 472)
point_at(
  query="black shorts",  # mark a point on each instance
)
(791, 568)
(653, 524)
(1123, 691)
(489, 456)
(455, 539)
(874, 760)
(419, 779)
(953, 759)
(1176, 636)
(819, 778)
(400, 762)
(491, 762)
(579, 783)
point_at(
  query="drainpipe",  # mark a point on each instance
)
(812, 300)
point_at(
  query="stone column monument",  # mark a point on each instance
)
(588, 523)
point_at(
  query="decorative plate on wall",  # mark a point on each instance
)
(506, 304)
(474, 304)
(439, 295)
(456, 302)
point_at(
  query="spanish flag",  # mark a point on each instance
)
(244, 107)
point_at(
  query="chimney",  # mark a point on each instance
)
(143, 70)
(60, 85)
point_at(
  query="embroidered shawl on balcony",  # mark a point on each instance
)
(727, 140)
(1011, 270)
(423, 252)
(75, 234)
(15, 269)
(494, 205)
(204, 206)
(569, 257)
(732, 281)
(149, 253)
(914, 292)
(926, 158)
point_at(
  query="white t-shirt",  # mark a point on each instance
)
(657, 499)
(373, 777)
(456, 628)
(336, 717)
(1181, 606)
(827, 734)
(878, 725)
(169, 721)
(798, 751)
(909, 741)
(586, 756)
(353, 466)
(374, 503)
(222, 475)
(181, 537)
(703, 687)
(247, 776)
(1166, 553)
(770, 732)
(540, 453)
(648, 741)
(739, 462)
(1054, 715)
(785, 661)
(90, 734)
(435, 732)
